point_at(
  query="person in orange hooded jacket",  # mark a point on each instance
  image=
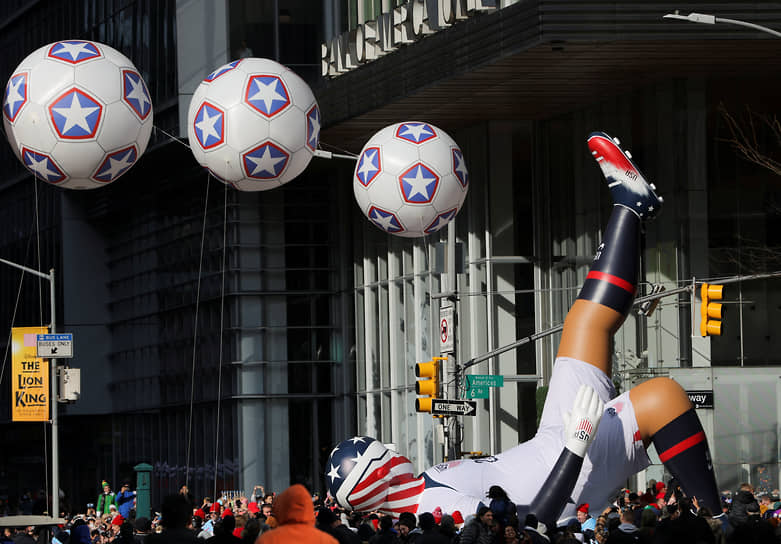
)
(295, 514)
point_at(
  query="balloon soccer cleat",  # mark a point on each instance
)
(627, 184)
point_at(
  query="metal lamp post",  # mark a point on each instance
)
(52, 389)
(707, 19)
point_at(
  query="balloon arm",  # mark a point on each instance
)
(581, 425)
(329, 155)
(555, 492)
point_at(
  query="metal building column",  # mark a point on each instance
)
(263, 441)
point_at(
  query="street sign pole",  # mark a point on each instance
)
(454, 448)
(55, 513)
(55, 491)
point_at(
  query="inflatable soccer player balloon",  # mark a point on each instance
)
(254, 124)
(410, 179)
(77, 114)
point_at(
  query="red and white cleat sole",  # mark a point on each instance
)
(627, 184)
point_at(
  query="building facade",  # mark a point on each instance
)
(212, 327)
(520, 85)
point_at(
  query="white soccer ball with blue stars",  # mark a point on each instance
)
(254, 124)
(77, 114)
(410, 179)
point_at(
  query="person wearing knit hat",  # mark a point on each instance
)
(207, 529)
(198, 513)
(116, 525)
(660, 502)
(105, 499)
(458, 518)
(226, 512)
(587, 523)
(437, 513)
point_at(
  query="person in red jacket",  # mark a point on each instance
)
(295, 514)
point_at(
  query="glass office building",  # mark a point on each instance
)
(520, 85)
(212, 327)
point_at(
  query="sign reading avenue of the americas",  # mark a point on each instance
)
(55, 345)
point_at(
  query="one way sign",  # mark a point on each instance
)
(441, 407)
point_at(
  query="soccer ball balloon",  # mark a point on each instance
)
(254, 124)
(77, 114)
(410, 179)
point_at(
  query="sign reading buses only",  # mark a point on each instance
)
(55, 345)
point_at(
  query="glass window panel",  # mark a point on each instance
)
(360, 339)
(745, 399)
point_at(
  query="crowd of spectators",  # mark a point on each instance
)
(658, 515)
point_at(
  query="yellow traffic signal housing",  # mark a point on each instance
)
(711, 312)
(427, 384)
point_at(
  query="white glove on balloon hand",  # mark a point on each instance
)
(580, 425)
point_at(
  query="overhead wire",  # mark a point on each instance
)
(16, 303)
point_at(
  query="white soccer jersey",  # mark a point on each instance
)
(616, 453)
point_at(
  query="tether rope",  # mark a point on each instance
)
(195, 334)
(217, 425)
(40, 322)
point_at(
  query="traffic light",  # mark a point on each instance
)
(710, 324)
(427, 384)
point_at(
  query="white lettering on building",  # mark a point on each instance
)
(405, 24)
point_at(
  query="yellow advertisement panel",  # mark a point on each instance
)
(30, 376)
